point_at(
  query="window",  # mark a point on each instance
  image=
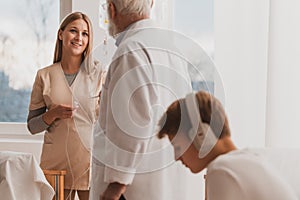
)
(27, 38)
(194, 19)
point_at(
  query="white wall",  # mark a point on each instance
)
(257, 50)
(241, 33)
(20, 140)
(283, 106)
(91, 9)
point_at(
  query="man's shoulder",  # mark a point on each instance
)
(130, 46)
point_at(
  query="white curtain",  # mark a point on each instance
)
(256, 49)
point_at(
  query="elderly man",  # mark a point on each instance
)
(146, 74)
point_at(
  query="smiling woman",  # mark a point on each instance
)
(59, 107)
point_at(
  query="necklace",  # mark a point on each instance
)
(70, 78)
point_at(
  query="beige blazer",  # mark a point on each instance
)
(67, 142)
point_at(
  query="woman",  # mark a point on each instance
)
(64, 100)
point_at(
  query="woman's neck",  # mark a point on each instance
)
(70, 65)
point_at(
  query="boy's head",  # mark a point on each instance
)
(194, 124)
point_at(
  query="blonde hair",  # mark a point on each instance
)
(86, 57)
(140, 7)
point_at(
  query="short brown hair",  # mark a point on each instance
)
(169, 124)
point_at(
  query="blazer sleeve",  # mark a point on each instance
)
(36, 99)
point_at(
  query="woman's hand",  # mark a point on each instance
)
(58, 112)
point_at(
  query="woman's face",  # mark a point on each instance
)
(75, 38)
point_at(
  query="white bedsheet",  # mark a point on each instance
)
(22, 178)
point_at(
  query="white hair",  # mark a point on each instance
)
(141, 7)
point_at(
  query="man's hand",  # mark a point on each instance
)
(113, 191)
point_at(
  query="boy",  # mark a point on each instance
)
(198, 129)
